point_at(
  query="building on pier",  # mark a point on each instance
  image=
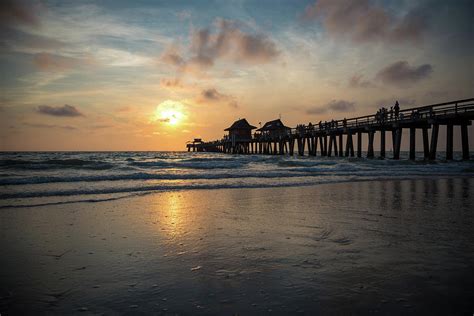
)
(240, 130)
(274, 129)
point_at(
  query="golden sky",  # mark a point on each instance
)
(151, 75)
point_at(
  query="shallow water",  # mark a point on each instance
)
(31, 179)
(392, 247)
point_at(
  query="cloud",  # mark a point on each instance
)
(363, 21)
(16, 12)
(171, 83)
(401, 74)
(334, 106)
(227, 41)
(58, 63)
(172, 56)
(357, 81)
(211, 95)
(64, 111)
(40, 125)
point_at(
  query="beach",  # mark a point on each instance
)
(381, 246)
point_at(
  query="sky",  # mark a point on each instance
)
(151, 75)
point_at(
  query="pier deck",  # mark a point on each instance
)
(336, 137)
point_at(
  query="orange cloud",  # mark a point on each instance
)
(228, 42)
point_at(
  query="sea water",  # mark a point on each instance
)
(43, 178)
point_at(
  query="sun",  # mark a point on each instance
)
(170, 112)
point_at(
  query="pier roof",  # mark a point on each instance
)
(240, 124)
(273, 125)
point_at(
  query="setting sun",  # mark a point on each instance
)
(170, 112)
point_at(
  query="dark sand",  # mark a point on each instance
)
(393, 247)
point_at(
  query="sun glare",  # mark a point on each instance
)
(170, 112)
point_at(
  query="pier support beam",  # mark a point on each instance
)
(434, 141)
(325, 145)
(382, 143)
(397, 135)
(321, 145)
(341, 153)
(426, 145)
(412, 143)
(349, 146)
(370, 148)
(449, 141)
(465, 141)
(314, 146)
(328, 153)
(359, 144)
(300, 146)
(291, 144)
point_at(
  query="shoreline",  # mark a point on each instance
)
(146, 192)
(402, 247)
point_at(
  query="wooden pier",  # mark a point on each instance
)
(337, 137)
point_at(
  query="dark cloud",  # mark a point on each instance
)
(362, 21)
(171, 83)
(357, 81)
(227, 41)
(212, 95)
(334, 106)
(17, 12)
(65, 110)
(400, 73)
(411, 27)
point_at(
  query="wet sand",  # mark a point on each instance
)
(389, 247)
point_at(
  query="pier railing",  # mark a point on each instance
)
(445, 110)
(459, 112)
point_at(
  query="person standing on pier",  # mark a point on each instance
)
(397, 109)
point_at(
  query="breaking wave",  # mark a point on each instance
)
(43, 175)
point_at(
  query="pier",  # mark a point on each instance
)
(344, 137)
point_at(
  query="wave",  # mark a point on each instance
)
(151, 176)
(204, 164)
(167, 188)
(309, 169)
(54, 164)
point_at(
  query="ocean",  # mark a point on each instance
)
(168, 233)
(43, 178)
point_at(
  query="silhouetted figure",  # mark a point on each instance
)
(396, 108)
(344, 123)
